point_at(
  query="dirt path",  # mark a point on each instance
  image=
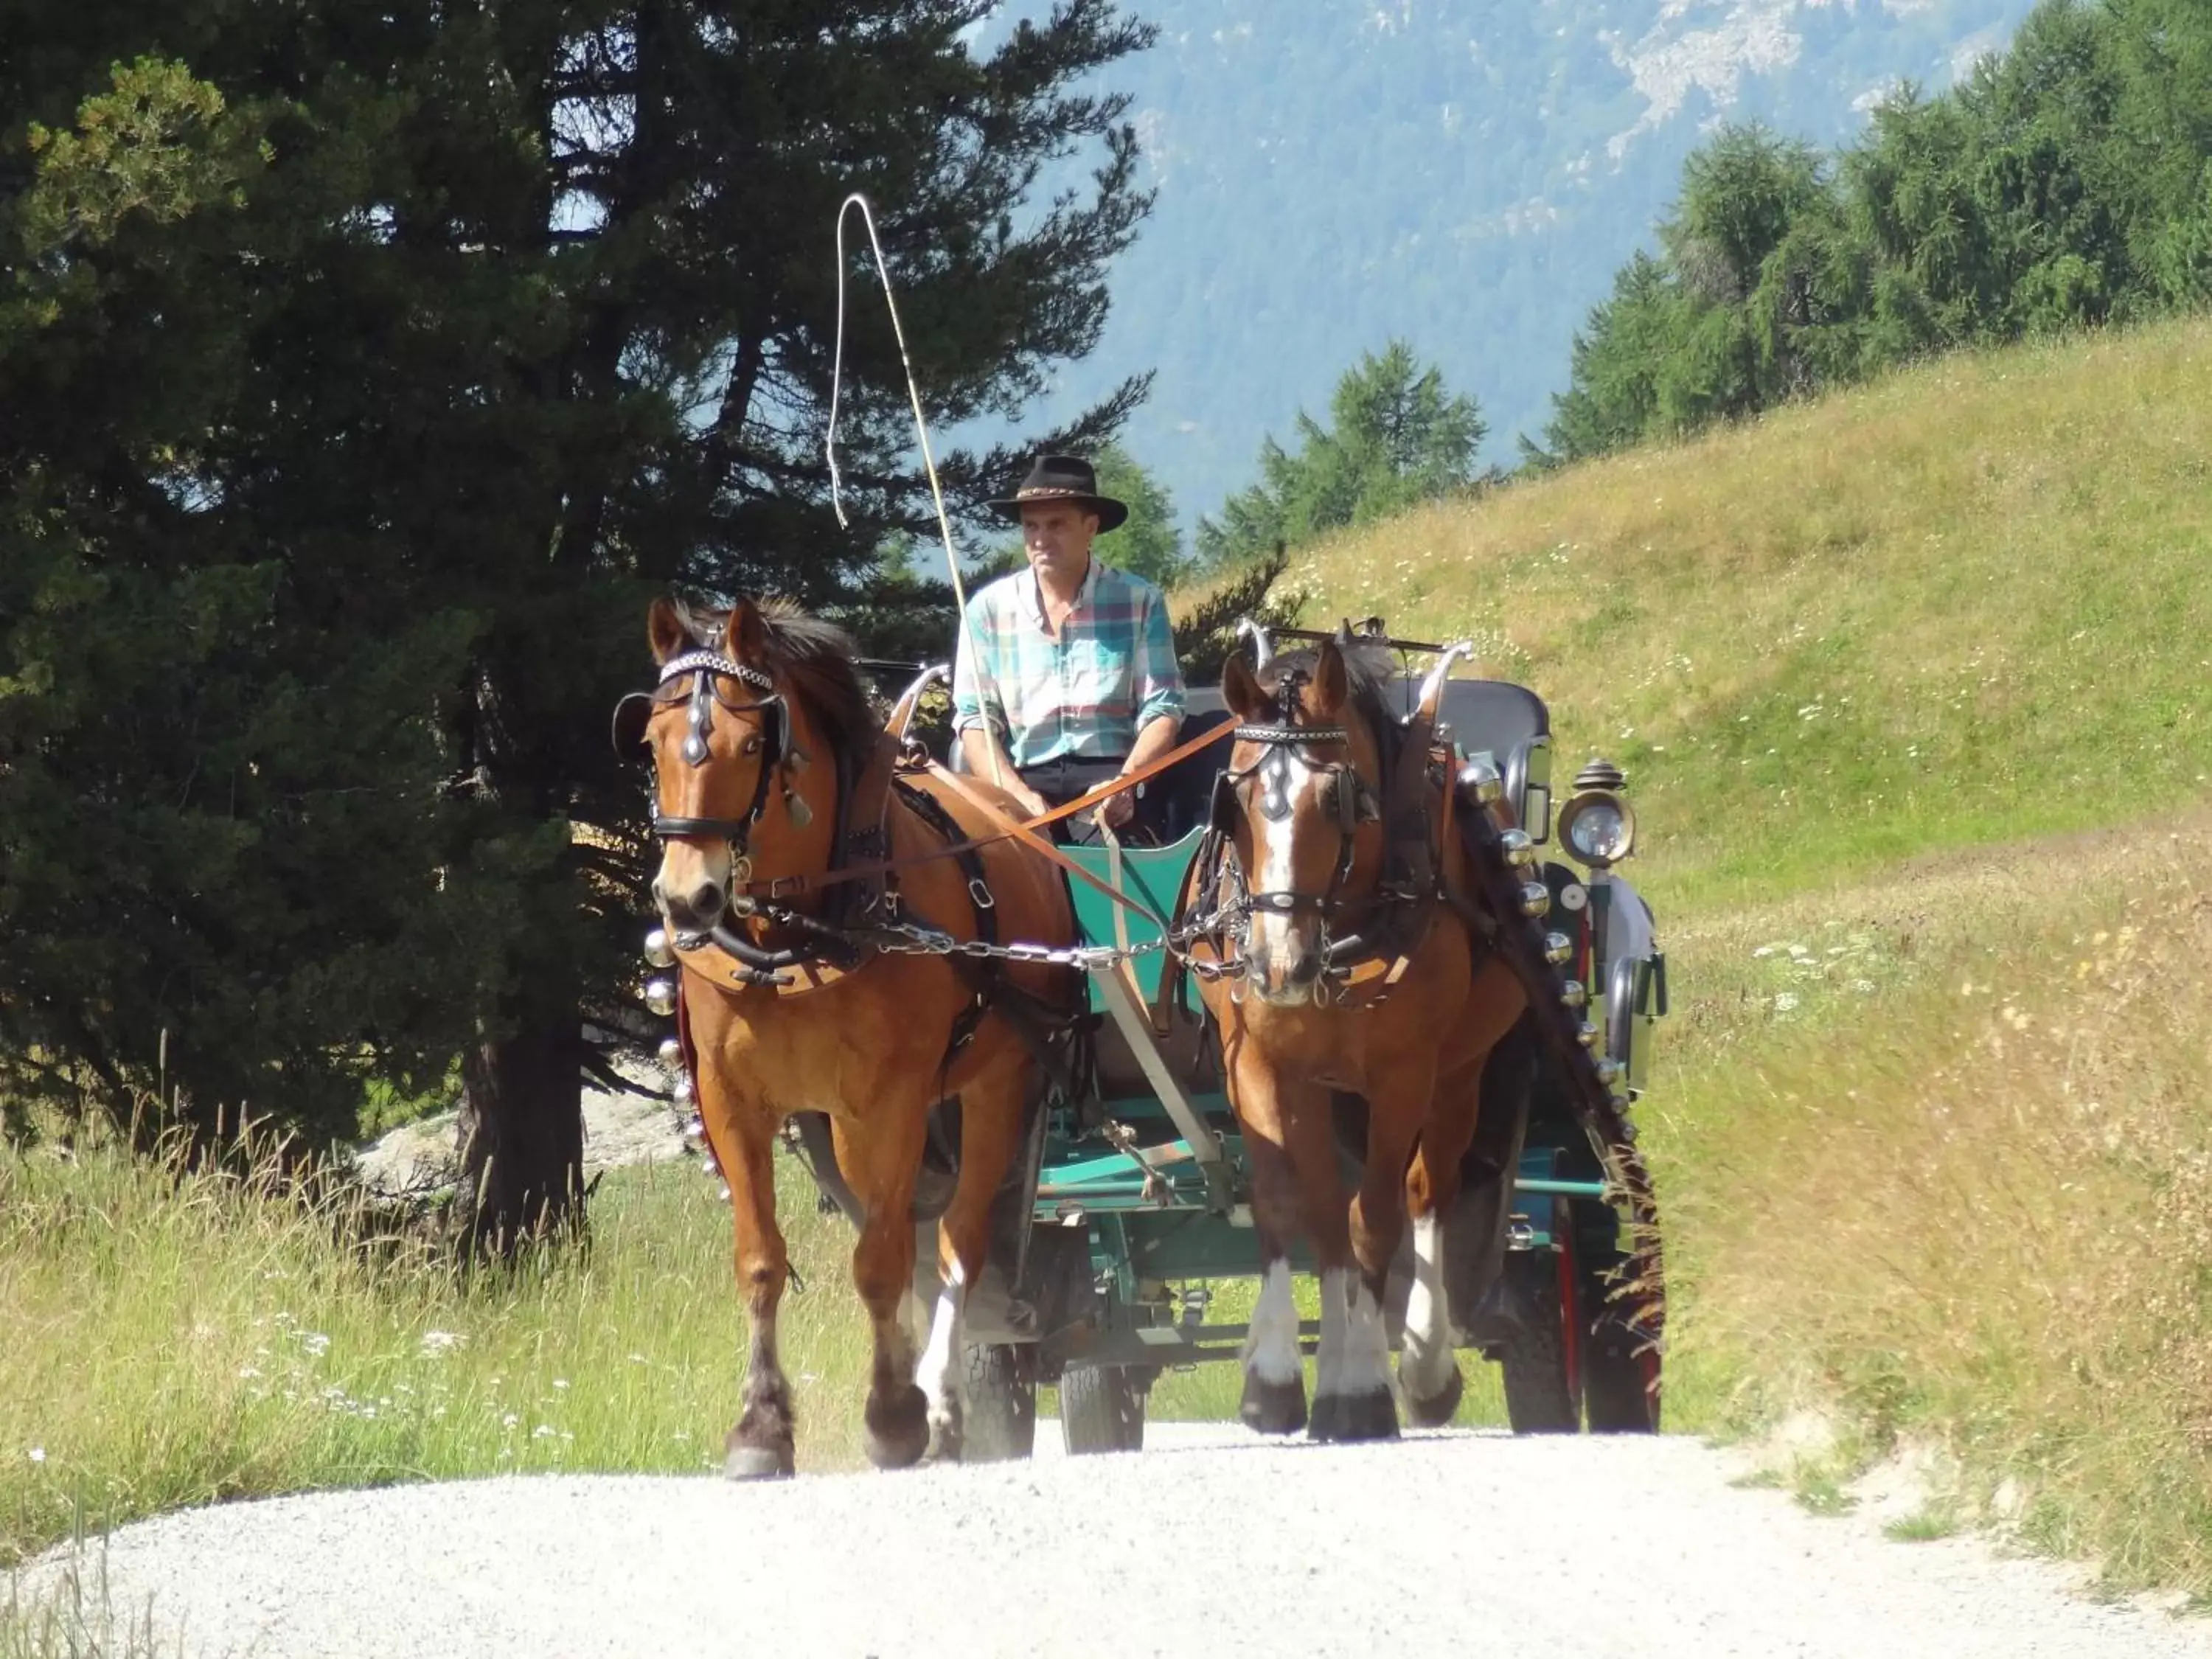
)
(1208, 1542)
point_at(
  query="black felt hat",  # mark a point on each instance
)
(1061, 479)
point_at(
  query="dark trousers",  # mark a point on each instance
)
(1061, 781)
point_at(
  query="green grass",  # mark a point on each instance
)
(170, 1338)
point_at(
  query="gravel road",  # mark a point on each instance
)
(1209, 1542)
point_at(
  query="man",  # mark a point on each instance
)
(1064, 675)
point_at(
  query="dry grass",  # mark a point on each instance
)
(1977, 1210)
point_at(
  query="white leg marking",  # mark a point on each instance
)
(1329, 1353)
(1271, 1345)
(941, 1374)
(1366, 1368)
(1427, 1359)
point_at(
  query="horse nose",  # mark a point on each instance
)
(693, 912)
(1306, 969)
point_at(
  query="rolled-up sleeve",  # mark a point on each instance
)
(976, 698)
(1158, 677)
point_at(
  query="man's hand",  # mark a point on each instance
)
(1030, 803)
(1117, 810)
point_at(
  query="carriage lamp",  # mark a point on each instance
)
(660, 995)
(1535, 898)
(1598, 826)
(1520, 851)
(670, 1052)
(658, 951)
(1481, 779)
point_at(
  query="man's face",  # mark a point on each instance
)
(1056, 535)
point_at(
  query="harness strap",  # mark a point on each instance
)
(1026, 834)
(1014, 828)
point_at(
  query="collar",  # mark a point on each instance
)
(1033, 591)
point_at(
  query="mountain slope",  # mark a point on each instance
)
(1959, 606)
(1466, 175)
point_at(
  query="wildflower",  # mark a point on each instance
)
(509, 1420)
(560, 1381)
(38, 1454)
(543, 1432)
(246, 1373)
(434, 1342)
(1784, 1001)
(315, 1343)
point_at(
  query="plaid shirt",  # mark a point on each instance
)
(1084, 695)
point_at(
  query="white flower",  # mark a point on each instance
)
(509, 1420)
(246, 1372)
(315, 1343)
(440, 1341)
(543, 1432)
(1763, 951)
(560, 1381)
(1784, 1001)
(38, 1454)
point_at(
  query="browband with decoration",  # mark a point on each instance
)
(1292, 734)
(715, 663)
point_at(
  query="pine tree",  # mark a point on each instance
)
(350, 431)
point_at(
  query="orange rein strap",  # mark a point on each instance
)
(1023, 833)
(775, 887)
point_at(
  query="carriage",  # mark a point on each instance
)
(1118, 1239)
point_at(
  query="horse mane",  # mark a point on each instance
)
(1368, 669)
(816, 656)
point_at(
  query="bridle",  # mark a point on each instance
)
(1354, 804)
(775, 741)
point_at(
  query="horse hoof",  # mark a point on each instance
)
(1272, 1407)
(897, 1428)
(1438, 1408)
(742, 1461)
(1370, 1416)
(946, 1441)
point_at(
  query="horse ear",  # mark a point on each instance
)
(1332, 684)
(745, 639)
(1240, 690)
(665, 630)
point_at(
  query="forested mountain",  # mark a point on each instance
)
(1465, 175)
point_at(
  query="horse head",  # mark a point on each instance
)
(1297, 803)
(731, 738)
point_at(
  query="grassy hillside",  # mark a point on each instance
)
(1964, 605)
(1914, 688)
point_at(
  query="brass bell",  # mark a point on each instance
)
(660, 995)
(1610, 1071)
(1520, 851)
(681, 1093)
(1573, 995)
(1588, 1035)
(1535, 898)
(658, 951)
(670, 1052)
(1558, 949)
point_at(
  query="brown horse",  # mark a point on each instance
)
(772, 768)
(1365, 969)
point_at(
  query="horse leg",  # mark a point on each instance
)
(990, 1129)
(761, 1442)
(1365, 1408)
(1428, 1369)
(1274, 1398)
(1311, 1141)
(880, 1165)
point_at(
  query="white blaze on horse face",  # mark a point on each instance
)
(1278, 938)
(1271, 1343)
(939, 1370)
(1427, 1357)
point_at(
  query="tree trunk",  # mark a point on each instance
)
(522, 1133)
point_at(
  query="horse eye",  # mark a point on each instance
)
(753, 743)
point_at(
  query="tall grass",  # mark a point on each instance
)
(171, 1337)
(1963, 604)
(1976, 1213)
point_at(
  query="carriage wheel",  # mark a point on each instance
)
(1101, 1410)
(1542, 1362)
(1001, 1424)
(1620, 1380)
